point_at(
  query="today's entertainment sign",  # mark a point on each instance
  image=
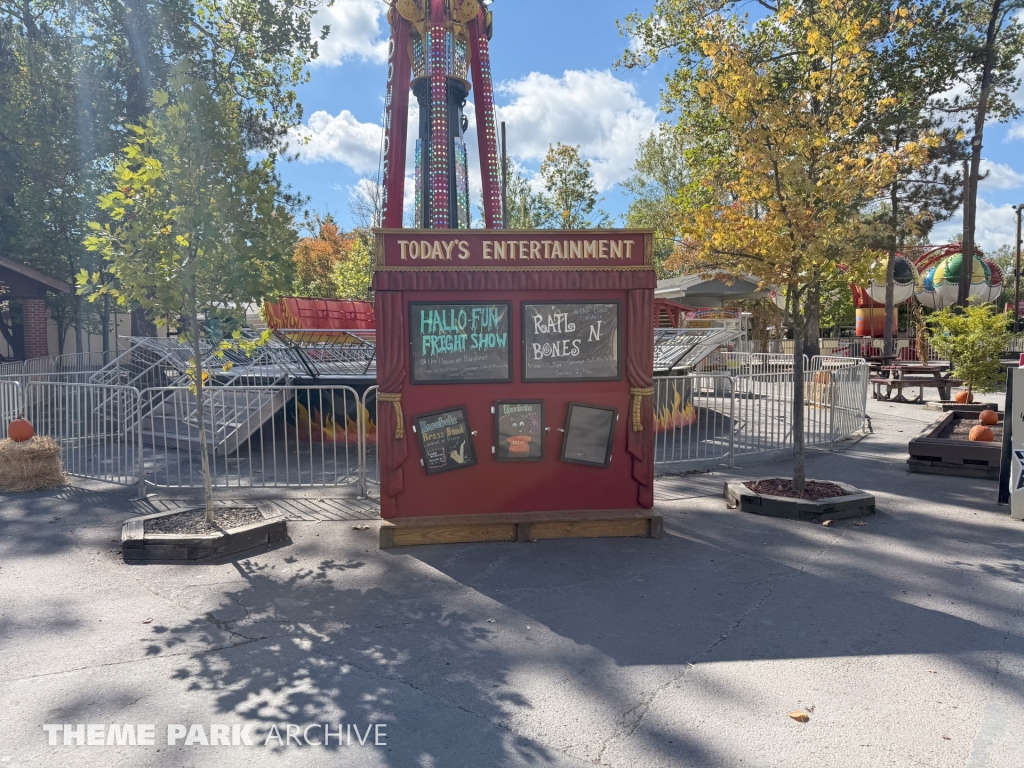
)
(404, 249)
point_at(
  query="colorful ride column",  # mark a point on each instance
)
(435, 46)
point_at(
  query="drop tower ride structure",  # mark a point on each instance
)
(436, 46)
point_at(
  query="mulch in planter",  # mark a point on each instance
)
(193, 521)
(960, 429)
(813, 490)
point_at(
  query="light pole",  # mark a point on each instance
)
(1016, 272)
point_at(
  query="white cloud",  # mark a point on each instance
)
(341, 138)
(1016, 132)
(593, 109)
(358, 29)
(995, 226)
(1000, 176)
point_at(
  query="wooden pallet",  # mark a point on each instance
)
(519, 526)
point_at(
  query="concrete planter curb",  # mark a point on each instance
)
(856, 503)
(138, 546)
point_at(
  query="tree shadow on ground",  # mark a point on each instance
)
(300, 647)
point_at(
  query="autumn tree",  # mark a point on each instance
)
(315, 258)
(779, 189)
(191, 227)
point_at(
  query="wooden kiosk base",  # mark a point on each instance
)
(521, 526)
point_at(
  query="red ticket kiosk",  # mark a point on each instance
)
(515, 373)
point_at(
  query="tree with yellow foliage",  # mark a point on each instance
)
(315, 258)
(780, 167)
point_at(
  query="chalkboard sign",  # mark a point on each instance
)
(519, 430)
(465, 343)
(445, 440)
(589, 430)
(571, 340)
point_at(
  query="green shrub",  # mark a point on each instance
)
(972, 339)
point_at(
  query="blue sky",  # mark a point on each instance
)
(553, 66)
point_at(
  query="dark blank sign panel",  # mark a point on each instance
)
(571, 340)
(588, 434)
(464, 343)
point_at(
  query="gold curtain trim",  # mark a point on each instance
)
(395, 398)
(639, 393)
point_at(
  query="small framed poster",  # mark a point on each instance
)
(519, 430)
(445, 440)
(589, 431)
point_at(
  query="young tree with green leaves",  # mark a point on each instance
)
(353, 274)
(191, 226)
(527, 209)
(972, 338)
(570, 189)
(659, 176)
(73, 76)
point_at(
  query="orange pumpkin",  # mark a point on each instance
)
(981, 434)
(989, 418)
(964, 396)
(20, 430)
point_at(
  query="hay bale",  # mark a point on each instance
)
(33, 465)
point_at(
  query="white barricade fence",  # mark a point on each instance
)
(271, 435)
(693, 418)
(723, 362)
(369, 461)
(848, 400)
(715, 418)
(762, 412)
(95, 425)
(10, 403)
(265, 436)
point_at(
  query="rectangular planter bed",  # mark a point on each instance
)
(936, 455)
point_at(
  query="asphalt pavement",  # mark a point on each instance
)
(901, 639)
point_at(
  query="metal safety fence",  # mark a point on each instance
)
(10, 400)
(274, 435)
(267, 436)
(95, 426)
(717, 418)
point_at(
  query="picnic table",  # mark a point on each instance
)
(875, 362)
(901, 376)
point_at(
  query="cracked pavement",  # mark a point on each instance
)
(902, 639)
